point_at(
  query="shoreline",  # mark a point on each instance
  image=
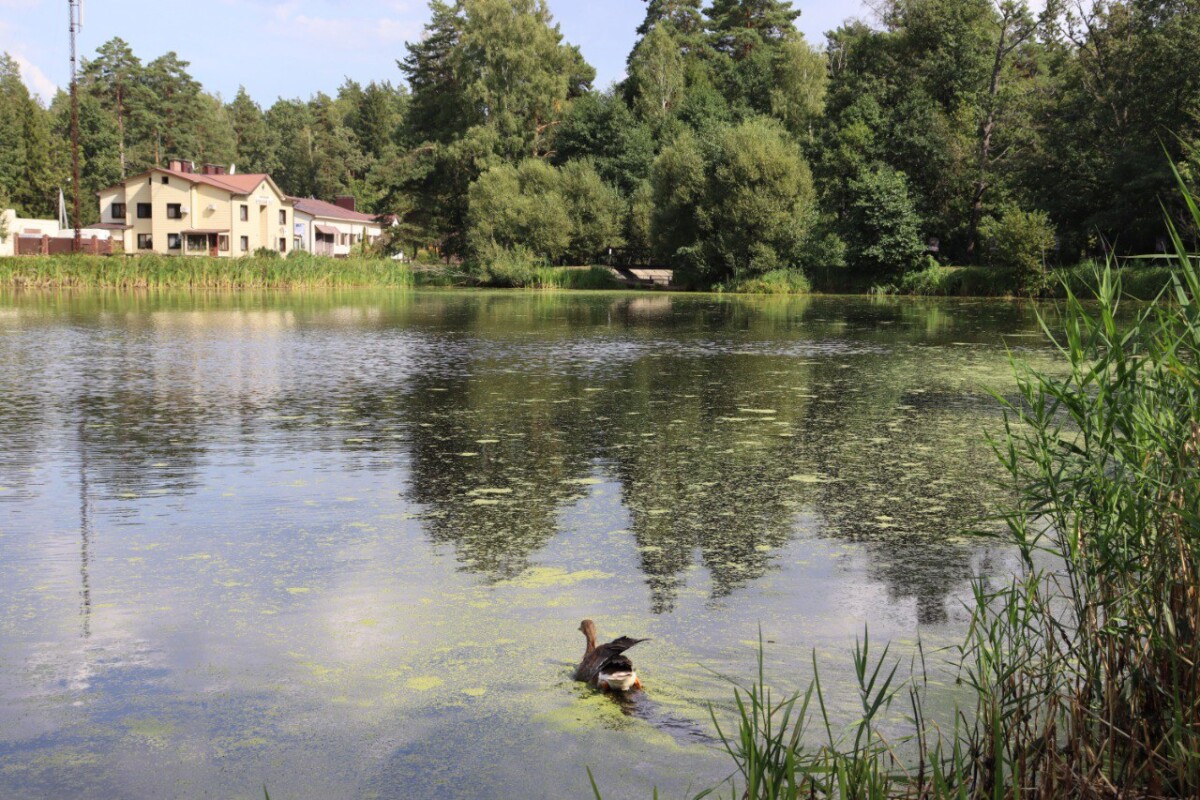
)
(203, 274)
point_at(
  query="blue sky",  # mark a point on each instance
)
(293, 48)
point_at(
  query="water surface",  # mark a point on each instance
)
(340, 543)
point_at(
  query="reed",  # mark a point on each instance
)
(164, 272)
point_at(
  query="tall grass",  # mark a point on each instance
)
(1082, 673)
(779, 281)
(148, 272)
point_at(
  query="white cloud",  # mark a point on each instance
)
(37, 81)
(347, 31)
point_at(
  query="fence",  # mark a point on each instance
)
(62, 245)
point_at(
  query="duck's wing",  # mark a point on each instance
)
(602, 655)
(607, 653)
(618, 646)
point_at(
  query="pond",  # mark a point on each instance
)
(340, 543)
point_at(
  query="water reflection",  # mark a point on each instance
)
(231, 520)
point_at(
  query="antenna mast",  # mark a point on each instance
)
(76, 24)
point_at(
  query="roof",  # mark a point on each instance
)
(328, 230)
(237, 184)
(319, 208)
(234, 184)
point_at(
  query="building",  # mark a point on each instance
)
(178, 211)
(333, 229)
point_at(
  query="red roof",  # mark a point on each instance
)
(319, 208)
(238, 184)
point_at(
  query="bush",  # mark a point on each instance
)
(882, 229)
(504, 266)
(266, 252)
(780, 281)
(1020, 241)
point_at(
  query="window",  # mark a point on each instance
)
(118, 211)
(166, 181)
(245, 214)
(144, 211)
(344, 238)
(283, 245)
(245, 242)
(197, 242)
(223, 243)
(283, 217)
(145, 241)
(174, 211)
(173, 241)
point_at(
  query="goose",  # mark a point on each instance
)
(605, 667)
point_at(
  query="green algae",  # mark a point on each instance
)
(547, 577)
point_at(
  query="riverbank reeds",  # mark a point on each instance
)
(201, 272)
(1082, 672)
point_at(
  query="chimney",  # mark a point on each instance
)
(346, 201)
(175, 165)
(214, 169)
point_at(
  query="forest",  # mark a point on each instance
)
(961, 132)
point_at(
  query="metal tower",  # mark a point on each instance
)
(76, 24)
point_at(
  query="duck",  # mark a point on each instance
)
(606, 667)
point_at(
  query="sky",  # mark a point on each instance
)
(295, 48)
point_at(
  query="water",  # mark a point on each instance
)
(340, 544)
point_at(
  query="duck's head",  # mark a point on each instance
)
(588, 628)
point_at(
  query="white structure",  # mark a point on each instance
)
(332, 229)
(19, 226)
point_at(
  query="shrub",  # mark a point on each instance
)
(1020, 241)
(266, 252)
(882, 229)
(780, 281)
(504, 266)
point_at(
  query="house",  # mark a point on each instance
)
(178, 211)
(19, 236)
(333, 229)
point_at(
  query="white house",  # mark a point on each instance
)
(333, 229)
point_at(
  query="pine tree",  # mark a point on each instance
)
(739, 26)
(174, 114)
(438, 111)
(115, 77)
(682, 17)
(255, 142)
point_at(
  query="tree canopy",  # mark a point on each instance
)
(731, 147)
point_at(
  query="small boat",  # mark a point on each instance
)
(605, 666)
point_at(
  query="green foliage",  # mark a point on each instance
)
(1021, 241)
(882, 228)
(504, 267)
(744, 208)
(519, 207)
(266, 253)
(980, 106)
(601, 128)
(780, 281)
(596, 209)
(547, 212)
